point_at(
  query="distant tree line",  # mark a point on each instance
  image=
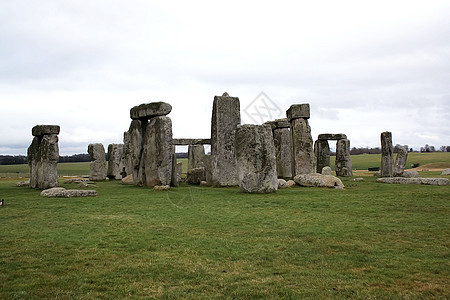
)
(428, 148)
(22, 159)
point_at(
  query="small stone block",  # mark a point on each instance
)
(40, 130)
(150, 110)
(332, 136)
(297, 111)
(282, 123)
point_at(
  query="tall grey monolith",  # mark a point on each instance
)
(43, 156)
(98, 168)
(256, 161)
(400, 161)
(225, 118)
(322, 152)
(304, 160)
(114, 159)
(387, 155)
(196, 156)
(343, 159)
(283, 147)
(125, 161)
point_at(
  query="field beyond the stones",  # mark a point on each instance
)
(369, 241)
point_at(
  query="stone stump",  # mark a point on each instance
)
(256, 161)
(283, 148)
(225, 118)
(98, 168)
(304, 160)
(387, 155)
(114, 159)
(322, 152)
(400, 161)
(343, 160)
(43, 156)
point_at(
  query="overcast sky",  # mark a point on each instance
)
(364, 67)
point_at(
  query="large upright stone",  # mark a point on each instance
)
(114, 158)
(400, 161)
(43, 156)
(196, 156)
(343, 159)
(150, 110)
(256, 162)
(125, 160)
(225, 118)
(322, 152)
(98, 166)
(387, 155)
(157, 152)
(304, 160)
(283, 150)
(136, 138)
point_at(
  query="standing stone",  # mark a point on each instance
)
(43, 156)
(135, 134)
(256, 161)
(114, 157)
(196, 156)
(283, 150)
(400, 161)
(387, 155)
(343, 159)
(157, 153)
(98, 162)
(225, 118)
(179, 171)
(322, 152)
(174, 180)
(125, 161)
(304, 160)
(208, 169)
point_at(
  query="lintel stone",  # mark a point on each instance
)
(332, 136)
(40, 130)
(297, 111)
(186, 142)
(150, 110)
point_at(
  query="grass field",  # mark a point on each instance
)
(370, 241)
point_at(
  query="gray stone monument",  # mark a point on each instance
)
(114, 159)
(322, 152)
(387, 155)
(98, 168)
(283, 147)
(256, 161)
(400, 161)
(43, 156)
(196, 156)
(343, 160)
(225, 118)
(304, 160)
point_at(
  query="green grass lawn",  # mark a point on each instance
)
(370, 241)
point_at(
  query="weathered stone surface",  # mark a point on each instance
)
(43, 156)
(203, 183)
(272, 124)
(22, 183)
(256, 161)
(318, 180)
(291, 183)
(326, 170)
(225, 118)
(161, 187)
(282, 123)
(208, 169)
(98, 167)
(387, 155)
(114, 157)
(332, 136)
(135, 142)
(75, 180)
(410, 174)
(283, 151)
(282, 184)
(179, 170)
(150, 110)
(40, 130)
(128, 180)
(195, 176)
(297, 111)
(125, 166)
(157, 153)
(304, 160)
(322, 152)
(196, 156)
(426, 181)
(187, 142)
(174, 180)
(446, 172)
(400, 161)
(63, 193)
(343, 159)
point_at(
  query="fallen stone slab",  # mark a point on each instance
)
(332, 136)
(63, 193)
(318, 180)
(425, 181)
(410, 174)
(128, 180)
(40, 130)
(150, 110)
(196, 175)
(23, 183)
(446, 172)
(75, 180)
(161, 187)
(282, 184)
